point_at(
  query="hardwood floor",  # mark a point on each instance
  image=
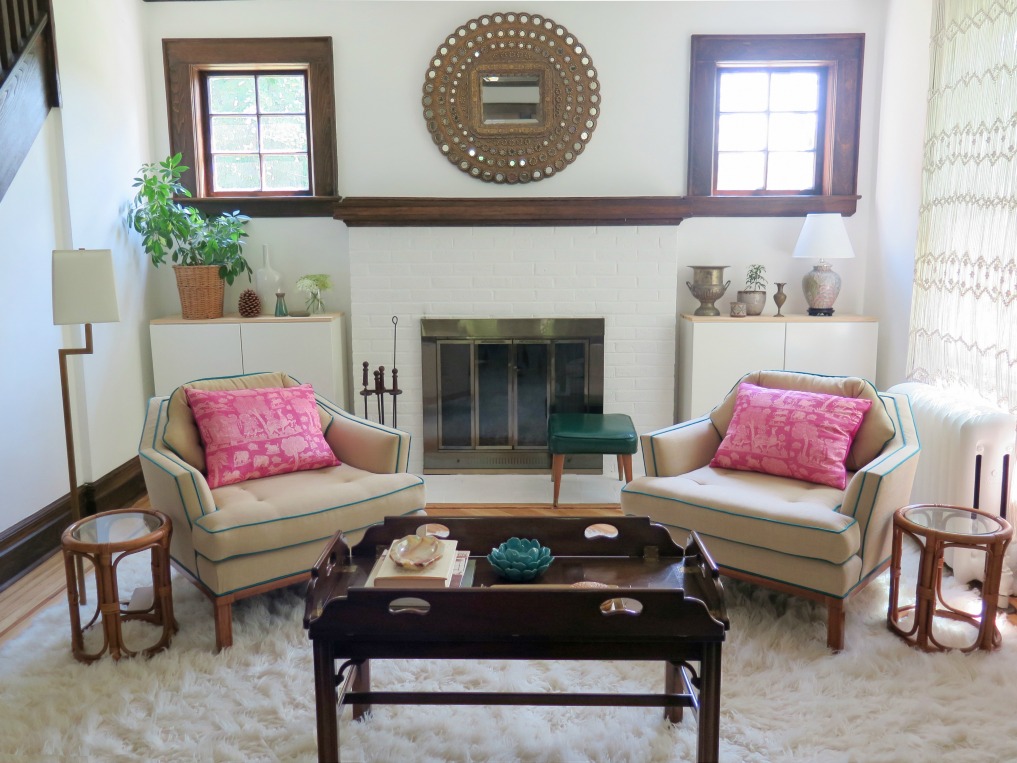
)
(47, 583)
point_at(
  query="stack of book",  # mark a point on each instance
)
(446, 572)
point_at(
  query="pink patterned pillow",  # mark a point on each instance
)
(252, 433)
(787, 433)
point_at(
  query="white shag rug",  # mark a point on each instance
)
(784, 697)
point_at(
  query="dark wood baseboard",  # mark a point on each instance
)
(30, 542)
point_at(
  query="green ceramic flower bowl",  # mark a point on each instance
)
(520, 559)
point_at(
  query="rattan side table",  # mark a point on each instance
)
(105, 539)
(936, 528)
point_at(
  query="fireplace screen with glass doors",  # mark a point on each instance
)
(489, 385)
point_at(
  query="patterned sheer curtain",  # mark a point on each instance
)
(964, 312)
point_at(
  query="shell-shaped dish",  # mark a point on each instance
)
(416, 552)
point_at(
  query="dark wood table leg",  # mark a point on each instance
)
(325, 700)
(361, 682)
(673, 685)
(709, 705)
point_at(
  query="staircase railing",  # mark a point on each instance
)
(28, 86)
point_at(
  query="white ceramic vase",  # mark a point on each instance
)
(266, 282)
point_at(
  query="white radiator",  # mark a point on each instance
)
(966, 460)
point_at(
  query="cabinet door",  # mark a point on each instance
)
(836, 348)
(307, 351)
(714, 356)
(183, 353)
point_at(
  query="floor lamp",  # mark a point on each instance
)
(84, 292)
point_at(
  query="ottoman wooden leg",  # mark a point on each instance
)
(626, 461)
(557, 467)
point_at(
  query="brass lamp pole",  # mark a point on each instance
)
(84, 292)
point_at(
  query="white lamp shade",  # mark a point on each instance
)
(824, 237)
(84, 289)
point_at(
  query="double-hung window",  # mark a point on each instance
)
(255, 122)
(775, 116)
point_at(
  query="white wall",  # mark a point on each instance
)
(114, 118)
(894, 222)
(640, 50)
(33, 464)
(68, 194)
(106, 135)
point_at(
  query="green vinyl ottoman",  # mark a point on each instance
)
(603, 433)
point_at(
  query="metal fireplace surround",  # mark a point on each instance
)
(489, 385)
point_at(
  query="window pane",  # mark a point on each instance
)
(792, 132)
(741, 132)
(744, 91)
(231, 95)
(283, 134)
(739, 171)
(794, 91)
(234, 134)
(286, 172)
(281, 94)
(232, 172)
(791, 171)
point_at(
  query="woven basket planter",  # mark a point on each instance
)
(201, 291)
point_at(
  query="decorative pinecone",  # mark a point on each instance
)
(250, 303)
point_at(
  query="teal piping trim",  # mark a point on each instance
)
(187, 468)
(292, 545)
(181, 462)
(752, 545)
(862, 581)
(653, 445)
(335, 410)
(733, 514)
(419, 482)
(242, 588)
(875, 496)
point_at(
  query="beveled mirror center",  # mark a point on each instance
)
(511, 98)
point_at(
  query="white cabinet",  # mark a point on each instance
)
(713, 353)
(309, 349)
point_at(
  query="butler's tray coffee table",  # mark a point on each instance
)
(661, 602)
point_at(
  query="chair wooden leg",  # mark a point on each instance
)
(835, 624)
(557, 467)
(621, 468)
(223, 623)
(626, 461)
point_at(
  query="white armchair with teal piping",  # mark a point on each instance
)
(242, 539)
(812, 540)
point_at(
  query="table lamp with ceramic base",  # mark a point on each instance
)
(823, 237)
(84, 292)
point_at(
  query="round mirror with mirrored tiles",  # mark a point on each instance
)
(511, 98)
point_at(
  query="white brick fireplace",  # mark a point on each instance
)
(627, 275)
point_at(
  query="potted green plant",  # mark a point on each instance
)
(205, 251)
(754, 293)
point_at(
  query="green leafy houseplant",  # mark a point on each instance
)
(754, 280)
(185, 235)
(754, 293)
(314, 284)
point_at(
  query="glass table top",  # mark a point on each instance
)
(116, 527)
(952, 519)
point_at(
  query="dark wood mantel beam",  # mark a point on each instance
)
(378, 211)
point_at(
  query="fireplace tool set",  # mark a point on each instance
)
(379, 390)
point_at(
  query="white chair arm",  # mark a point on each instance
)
(884, 485)
(365, 444)
(680, 448)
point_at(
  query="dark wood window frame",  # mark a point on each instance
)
(841, 56)
(186, 61)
